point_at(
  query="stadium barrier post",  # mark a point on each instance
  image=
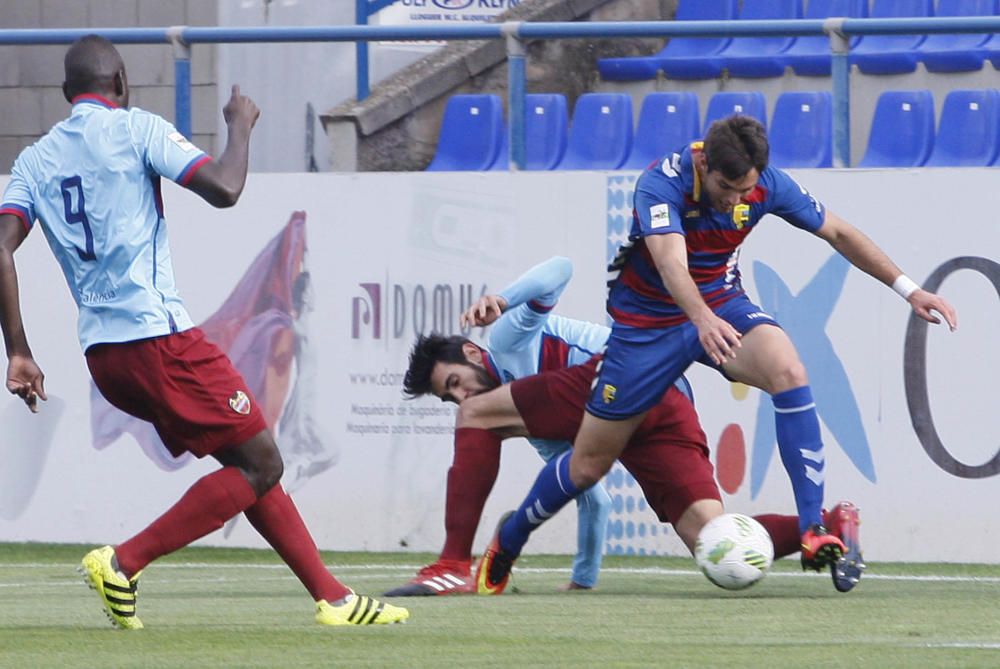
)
(182, 80)
(840, 71)
(516, 55)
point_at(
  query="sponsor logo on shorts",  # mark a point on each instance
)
(758, 314)
(240, 403)
(741, 215)
(659, 216)
(608, 393)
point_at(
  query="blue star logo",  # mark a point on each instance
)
(804, 317)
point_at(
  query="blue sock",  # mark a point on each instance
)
(552, 491)
(801, 450)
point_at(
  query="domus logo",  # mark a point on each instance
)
(398, 310)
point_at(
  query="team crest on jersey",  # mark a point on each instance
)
(741, 215)
(608, 393)
(659, 216)
(240, 403)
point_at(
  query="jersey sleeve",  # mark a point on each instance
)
(541, 286)
(658, 204)
(164, 150)
(17, 198)
(792, 202)
(529, 300)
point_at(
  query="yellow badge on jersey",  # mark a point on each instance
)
(608, 394)
(741, 215)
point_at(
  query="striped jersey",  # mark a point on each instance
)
(93, 182)
(668, 200)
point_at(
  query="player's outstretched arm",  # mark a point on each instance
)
(864, 254)
(24, 378)
(220, 182)
(669, 251)
(542, 284)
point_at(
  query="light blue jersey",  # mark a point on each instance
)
(527, 340)
(93, 182)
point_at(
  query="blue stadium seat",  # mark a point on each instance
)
(471, 133)
(727, 103)
(600, 136)
(696, 57)
(957, 52)
(545, 125)
(968, 129)
(801, 132)
(688, 57)
(810, 56)
(758, 57)
(891, 54)
(991, 48)
(667, 121)
(902, 130)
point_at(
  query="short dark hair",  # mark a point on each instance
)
(427, 352)
(736, 144)
(91, 64)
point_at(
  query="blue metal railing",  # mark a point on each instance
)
(515, 33)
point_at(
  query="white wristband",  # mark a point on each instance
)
(904, 286)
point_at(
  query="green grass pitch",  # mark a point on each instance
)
(208, 607)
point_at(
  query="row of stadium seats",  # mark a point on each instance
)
(757, 57)
(902, 130)
(474, 136)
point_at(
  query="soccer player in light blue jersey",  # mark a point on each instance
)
(676, 297)
(526, 338)
(93, 185)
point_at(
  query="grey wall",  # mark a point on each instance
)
(284, 78)
(31, 76)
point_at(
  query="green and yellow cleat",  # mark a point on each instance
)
(117, 593)
(360, 610)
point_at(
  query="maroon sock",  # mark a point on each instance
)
(470, 479)
(204, 508)
(784, 531)
(274, 515)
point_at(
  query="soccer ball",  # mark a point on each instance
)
(734, 551)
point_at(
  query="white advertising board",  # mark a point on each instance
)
(390, 255)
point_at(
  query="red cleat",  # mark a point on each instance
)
(843, 521)
(444, 577)
(820, 548)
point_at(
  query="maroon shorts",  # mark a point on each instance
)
(182, 384)
(667, 454)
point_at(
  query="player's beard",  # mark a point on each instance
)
(486, 381)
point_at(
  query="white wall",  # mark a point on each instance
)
(418, 231)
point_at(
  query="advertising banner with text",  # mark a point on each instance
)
(316, 286)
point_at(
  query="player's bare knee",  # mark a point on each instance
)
(272, 470)
(258, 459)
(588, 471)
(788, 376)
